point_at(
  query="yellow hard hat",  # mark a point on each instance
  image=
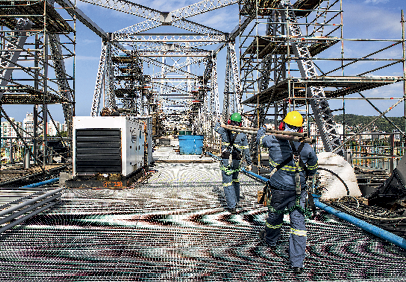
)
(293, 118)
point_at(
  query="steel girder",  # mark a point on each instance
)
(320, 106)
(172, 88)
(12, 51)
(154, 48)
(99, 80)
(201, 7)
(211, 105)
(62, 78)
(175, 18)
(128, 32)
(167, 68)
(192, 40)
(232, 89)
(227, 89)
(215, 102)
(236, 77)
(109, 79)
(153, 53)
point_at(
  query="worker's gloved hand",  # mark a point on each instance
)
(248, 167)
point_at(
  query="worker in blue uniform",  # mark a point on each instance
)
(233, 144)
(290, 161)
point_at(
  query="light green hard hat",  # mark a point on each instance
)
(236, 117)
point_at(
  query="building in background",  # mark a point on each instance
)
(28, 125)
(52, 129)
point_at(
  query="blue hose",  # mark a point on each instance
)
(242, 169)
(213, 156)
(397, 240)
(379, 232)
(41, 183)
(263, 179)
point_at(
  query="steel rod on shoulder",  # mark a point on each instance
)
(254, 129)
(286, 135)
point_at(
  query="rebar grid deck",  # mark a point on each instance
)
(174, 228)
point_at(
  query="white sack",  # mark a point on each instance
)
(335, 188)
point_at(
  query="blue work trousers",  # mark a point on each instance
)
(297, 239)
(231, 183)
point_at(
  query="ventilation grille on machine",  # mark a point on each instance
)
(98, 150)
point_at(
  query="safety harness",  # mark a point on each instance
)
(225, 154)
(298, 163)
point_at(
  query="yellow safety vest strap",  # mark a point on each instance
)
(273, 226)
(313, 167)
(260, 140)
(241, 147)
(298, 232)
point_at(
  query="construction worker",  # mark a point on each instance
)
(233, 144)
(289, 161)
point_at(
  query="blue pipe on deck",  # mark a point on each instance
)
(395, 239)
(213, 156)
(264, 179)
(379, 232)
(41, 183)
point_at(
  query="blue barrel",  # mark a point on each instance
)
(190, 144)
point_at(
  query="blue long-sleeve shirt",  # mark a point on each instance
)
(240, 143)
(279, 151)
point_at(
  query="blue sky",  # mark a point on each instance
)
(362, 19)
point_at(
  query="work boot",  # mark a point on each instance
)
(232, 211)
(262, 237)
(297, 270)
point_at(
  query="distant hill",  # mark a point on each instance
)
(380, 125)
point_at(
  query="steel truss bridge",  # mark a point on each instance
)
(273, 63)
(173, 227)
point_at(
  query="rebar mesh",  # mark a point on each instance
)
(174, 228)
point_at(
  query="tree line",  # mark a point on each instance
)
(355, 122)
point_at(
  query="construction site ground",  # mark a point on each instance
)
(173, 227)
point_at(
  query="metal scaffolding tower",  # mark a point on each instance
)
(283, 66)
(37, 39)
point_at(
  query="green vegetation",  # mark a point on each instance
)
(63, 134)
(380, 125)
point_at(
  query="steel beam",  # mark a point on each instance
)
(12, 52)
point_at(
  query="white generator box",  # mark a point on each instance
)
(107, 145)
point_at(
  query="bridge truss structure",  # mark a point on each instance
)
(170, 76)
